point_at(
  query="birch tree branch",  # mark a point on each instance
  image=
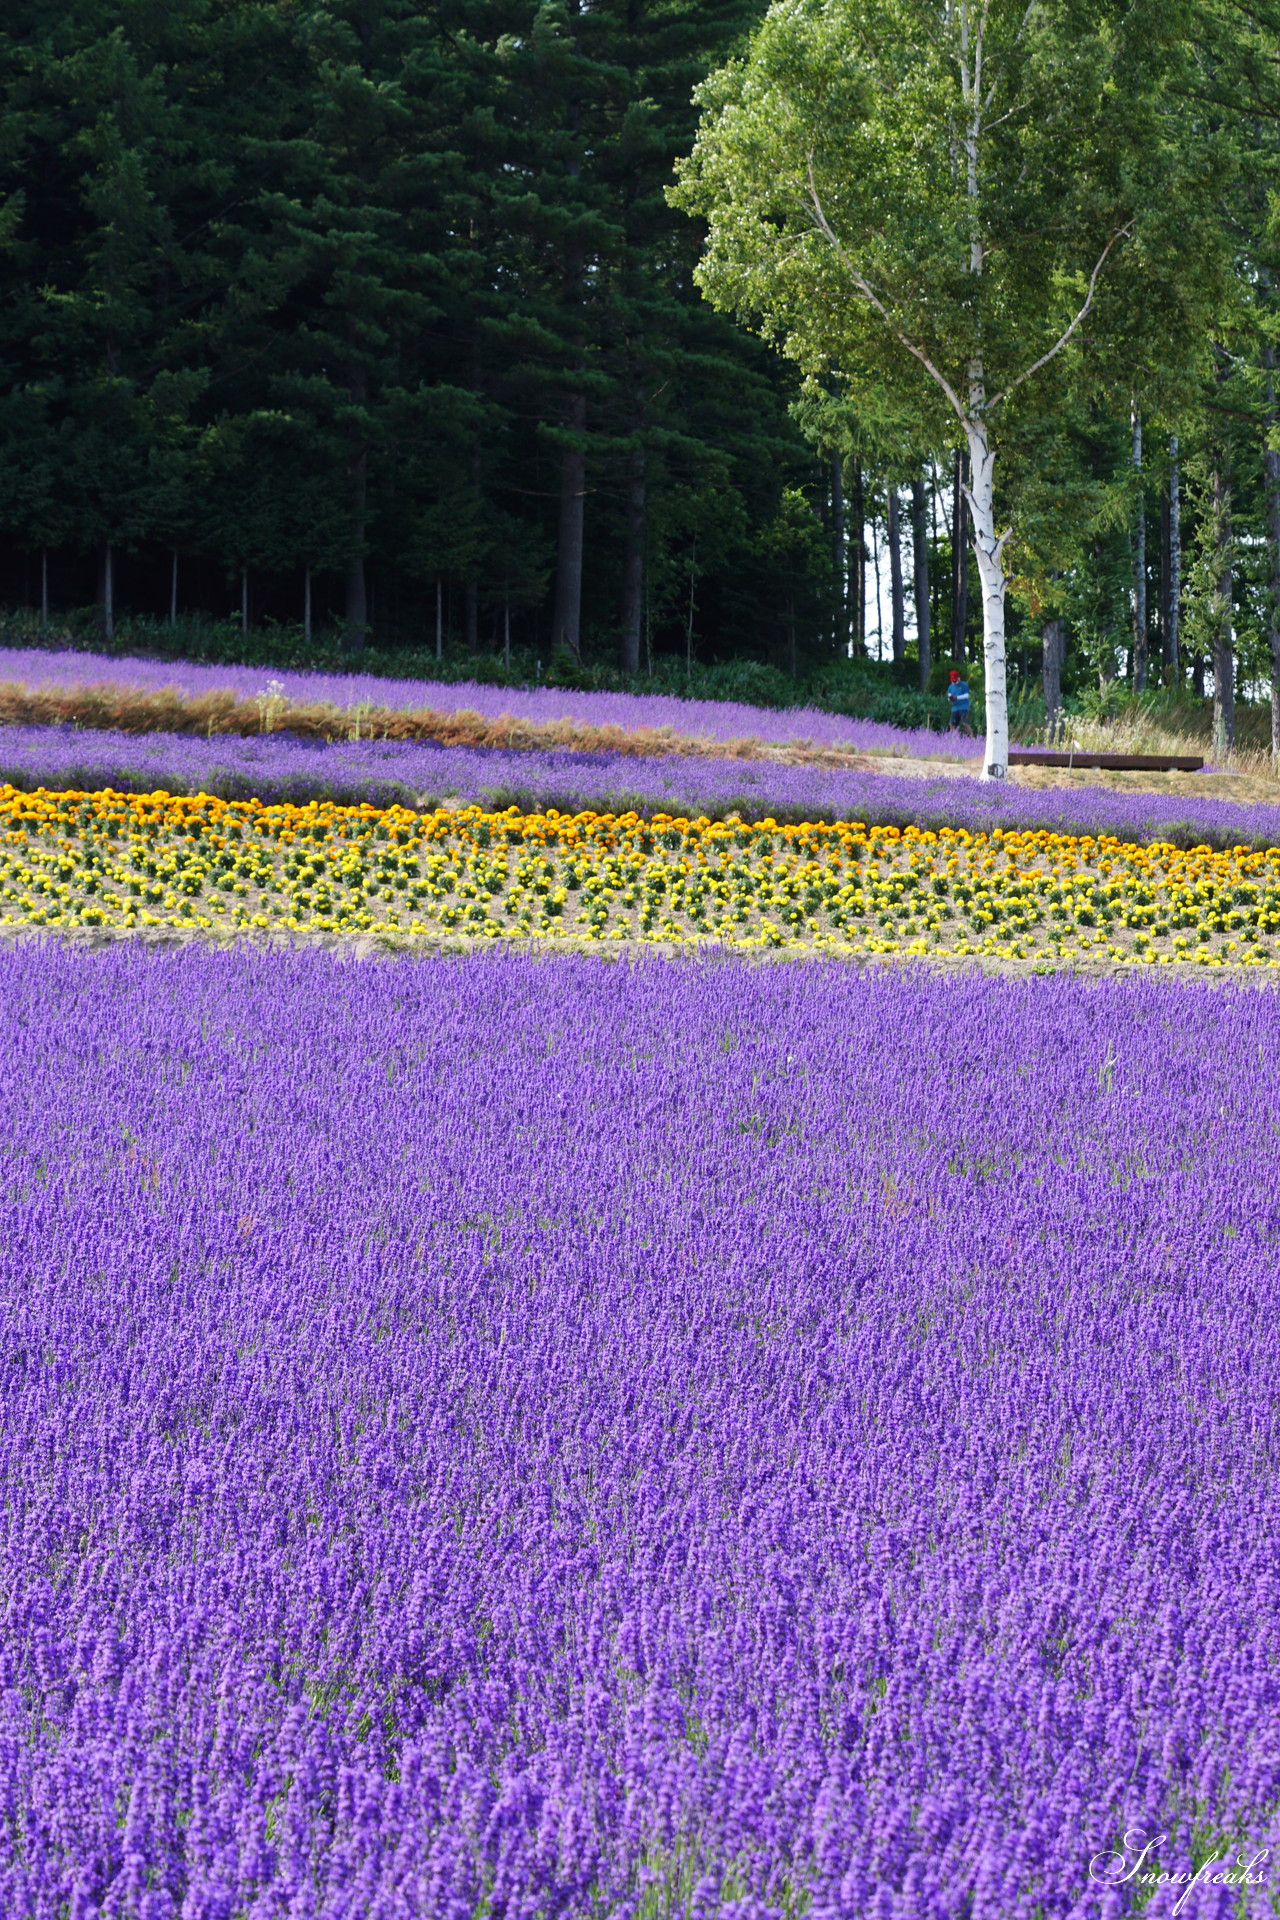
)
(1063, 338)
(869, 294)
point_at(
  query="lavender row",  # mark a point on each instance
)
(280, 767)
(543, 1437)
(699, 719)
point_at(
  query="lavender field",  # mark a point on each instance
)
(282, 767)
(523, 1437)
(707, 719)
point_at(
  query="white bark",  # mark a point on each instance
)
(1139, 568)
(973, 410)
(1175, 563)
(988, 548)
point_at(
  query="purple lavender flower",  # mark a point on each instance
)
(709, 719)
(548, 1437)
(279, 767)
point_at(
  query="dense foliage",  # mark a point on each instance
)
(425, 1491)
(390, 294)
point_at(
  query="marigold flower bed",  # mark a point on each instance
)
(508, 1436)
(75, 860)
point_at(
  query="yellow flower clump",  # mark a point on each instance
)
(116, 860)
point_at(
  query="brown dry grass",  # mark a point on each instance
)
(1239, 781)
(167, 711)
(1247, 777)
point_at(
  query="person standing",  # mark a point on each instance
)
(958, 695)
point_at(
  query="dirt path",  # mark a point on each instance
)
(1250, 789)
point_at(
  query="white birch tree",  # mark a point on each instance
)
(939, 200)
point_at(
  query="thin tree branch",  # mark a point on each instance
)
(873, 299)
(1062, 340)
(1006, 115)
(995, 84)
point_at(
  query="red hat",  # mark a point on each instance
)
(954, 674)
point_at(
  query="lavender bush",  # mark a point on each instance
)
(549, 1438)
(708, 719)
(280, 767)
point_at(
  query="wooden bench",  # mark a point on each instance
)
(1117, 762)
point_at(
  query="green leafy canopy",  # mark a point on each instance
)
(869, 188)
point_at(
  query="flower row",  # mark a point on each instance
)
(280, 767)
(295, 697)
(109, 859)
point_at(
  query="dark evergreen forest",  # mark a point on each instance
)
(376, 314)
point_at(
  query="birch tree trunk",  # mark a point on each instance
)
(920, 561)
(173, 590)
(306, 603)
(439, 618)
(896, 596)
(44, 588)
(1140, 635)
(1271, 471)
(858, 564)
(1224, 665)
(988, 551)
(988, 546)
(959, 563)
(875, 569)
(244, 599)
